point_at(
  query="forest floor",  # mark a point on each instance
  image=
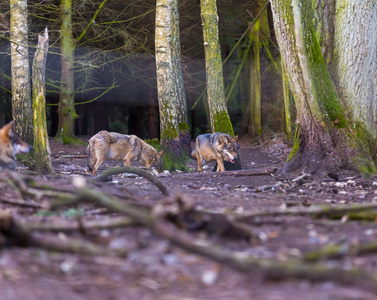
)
(156, 268)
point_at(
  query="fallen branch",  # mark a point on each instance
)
(15, 233)
(314, 211)
(21, 203)
(153, 179)
(268, 268)
(248, 172)
(342, 250)
(109, 223)
(37, 194)
(73, 156)
(72, 245)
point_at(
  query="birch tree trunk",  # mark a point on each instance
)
(21, 99)
(169, 82)
(42, 153)
(66, 110)
(355, 61)
(220, 121)
(326, 137)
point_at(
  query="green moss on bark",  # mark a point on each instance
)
(296, 145)
(169, 132)
(221, 123)
(183, 127)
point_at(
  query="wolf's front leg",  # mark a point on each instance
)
(220, 166)
(127, 159)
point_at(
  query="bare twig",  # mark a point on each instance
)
(104, 175)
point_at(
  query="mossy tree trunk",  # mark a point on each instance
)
(66, 110)
(220, 121)
(21, 97)
(256, 129)
(258, 35)
(170, 83)
(42, 153)
(327, 139)
(287, 109)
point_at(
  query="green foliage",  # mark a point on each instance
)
(68, 140)
(69, 213)
(73, 212)
(117, 126)
(155, 143)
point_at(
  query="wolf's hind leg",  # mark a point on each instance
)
(99, 163)
(200, 163)
(127, 159)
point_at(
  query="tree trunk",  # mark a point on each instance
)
(354, 61)
(66, 110)
(220, 121)
(326, 138)
(169, 83)
(287, 109)
(21, 99)
(42, 153)
(183, 128)
(257, 125)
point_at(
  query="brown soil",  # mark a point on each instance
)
(156, 269)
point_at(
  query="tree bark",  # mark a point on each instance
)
(326, 138)
(170, 83)
(287, 109)
(66, 110)
(42, 153)
(21, 98)
(220, 121)
(354, 62)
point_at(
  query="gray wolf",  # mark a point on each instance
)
(124, 147)
(10, 145)
(217, 147)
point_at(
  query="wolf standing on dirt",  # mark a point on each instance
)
(124, 147)
(10, 145)
(216, 146)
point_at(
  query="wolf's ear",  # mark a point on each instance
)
(221, 139)
(161, 153)
(236, 138)
(226, 140)
(6, 131)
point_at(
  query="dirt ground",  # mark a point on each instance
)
(154, 268)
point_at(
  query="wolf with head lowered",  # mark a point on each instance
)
(10, 145)
(123, 147)
(217, 147)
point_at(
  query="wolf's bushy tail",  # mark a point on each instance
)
(193, 154)
(91, 156)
